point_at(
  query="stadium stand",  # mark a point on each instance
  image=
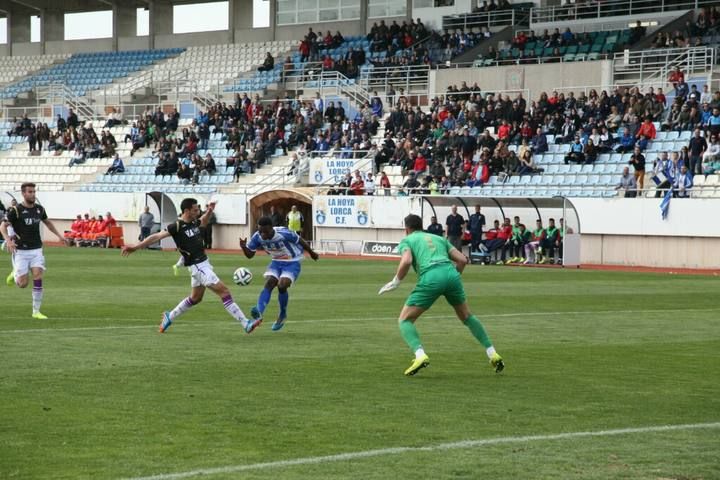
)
(396, 47)
(13, 69)
(208, 67)
(529, 155)
(557, 46)
(83, 72)
(703, 30)
(530, 149)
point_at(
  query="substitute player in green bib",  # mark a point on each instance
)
(438, 265)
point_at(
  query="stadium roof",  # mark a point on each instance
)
(468, 202)
(74, 6)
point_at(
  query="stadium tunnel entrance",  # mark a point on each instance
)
(507, 207)
(163, 209)
(283, 200)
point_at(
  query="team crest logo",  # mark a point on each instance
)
(320, 215)
(318, 176)
(362, 212)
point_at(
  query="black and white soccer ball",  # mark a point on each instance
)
(242, 276)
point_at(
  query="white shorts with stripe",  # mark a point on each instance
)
(24, 260)
(202, 275)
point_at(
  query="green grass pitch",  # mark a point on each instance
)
(96, 393)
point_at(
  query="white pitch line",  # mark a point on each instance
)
(430, 448)
(334, 320)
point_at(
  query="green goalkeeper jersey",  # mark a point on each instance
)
(428, 251)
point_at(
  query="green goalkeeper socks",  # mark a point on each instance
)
(478, 331)
(410, 334)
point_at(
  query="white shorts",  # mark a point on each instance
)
(202, 275)
(24, 260)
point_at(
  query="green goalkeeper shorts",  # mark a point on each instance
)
(440, 281)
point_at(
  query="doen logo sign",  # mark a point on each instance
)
(381, 249)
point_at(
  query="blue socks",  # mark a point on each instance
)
(264, 299)
(283, 298)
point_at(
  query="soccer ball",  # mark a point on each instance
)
(242, 276)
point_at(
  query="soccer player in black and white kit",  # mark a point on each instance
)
(186, 234)
(25, 244)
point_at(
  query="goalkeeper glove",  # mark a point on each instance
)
(395, 283)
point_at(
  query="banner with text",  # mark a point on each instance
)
(329, 171)
(377, 248)
(341, 211)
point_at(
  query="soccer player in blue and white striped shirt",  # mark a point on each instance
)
(286, 248)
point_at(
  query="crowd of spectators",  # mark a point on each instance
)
(549, 47)
(397, 42)
(467, 137)
(491, 6)
(459, 41)
(253, 131)
(695, 32)
(69, 134)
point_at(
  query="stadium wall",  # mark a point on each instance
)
(192, 39)
(629, 232)
(78, 46)
(133, 43)
(533, 78)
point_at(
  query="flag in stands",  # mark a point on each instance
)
(665, 204)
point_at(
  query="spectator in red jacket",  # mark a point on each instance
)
(504, 131)
(480, 174)
(420, 165)
(304, 50)
(647, 129)
(443, 114)
(357, 187)
(676, 76)
(660, 96)
(385, 183)
(327, 62)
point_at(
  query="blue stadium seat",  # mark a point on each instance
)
(82, 71)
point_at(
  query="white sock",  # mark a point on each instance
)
(37, 296)
(234, 310)
(419, 352)
(180, 262)
(181, 308)
(490, 352)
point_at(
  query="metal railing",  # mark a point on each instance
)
(552, 190)
(325, 82)
(99, 112)
(279, 178)
(612, 8)
(655, 65)
(166, 82)
(291, 79)
(426, 99)
(408, 77)
(497, 18)
(58, 93)
(480, 63)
